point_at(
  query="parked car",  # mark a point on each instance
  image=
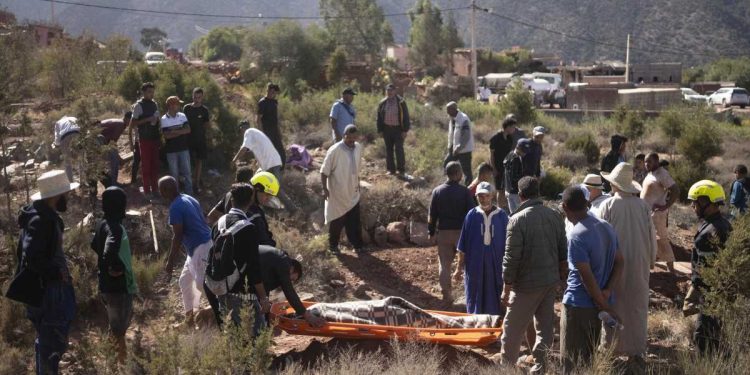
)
(690, 96)
(729, 96)
(153, 58)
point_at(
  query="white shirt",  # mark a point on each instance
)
(63, 126)
(262, 148)
(460, 134)
(342, 165)
(167, 122)
(484, 93)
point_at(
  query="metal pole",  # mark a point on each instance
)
(52, 11)
(627, 61)
(473, 47)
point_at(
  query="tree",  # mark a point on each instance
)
(151, 36)
(221, 43)
(358, 25)
(336, 65)
(430, 40)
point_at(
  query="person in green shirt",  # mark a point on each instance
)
(115, 270)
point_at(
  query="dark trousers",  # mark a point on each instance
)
(580, 330)
(52, 324)
(394, 141)
(465, 161)
(707, 334)
(351, 221)
(136, 163)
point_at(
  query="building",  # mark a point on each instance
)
(656, 73)
(400, 54)
(45, 33)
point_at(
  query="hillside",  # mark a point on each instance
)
(690, 31)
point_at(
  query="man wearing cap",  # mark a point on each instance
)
(393, 124)
(147, 139)
(268, 119)
(481, 248)
(513, 165)
(501, 144)
(66, 132)
(532, 161)
(343, 113)
(593, 184)
(615, 156)
(199, 119)
(176, 129)
(42, 280)
(631, 218)
(460, 140)
(448, 207)
(111, 130)
(340, 179)
(660, 191)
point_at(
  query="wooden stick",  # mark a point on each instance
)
(153, 231)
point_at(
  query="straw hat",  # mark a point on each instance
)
(593, 181)
(53, 183)
(622, 178)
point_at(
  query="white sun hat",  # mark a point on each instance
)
(53, 183)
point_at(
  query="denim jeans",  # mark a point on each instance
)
(233, 304)
(52, 324)
(179, 166)
(514, 201)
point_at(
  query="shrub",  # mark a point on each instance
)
(145, 271)
(519, 102)
(685, 174)
(699, 142)
(630, 123)
(426, 150)
(585, 144)
(554, 182)
(726, 276)
(571, 159)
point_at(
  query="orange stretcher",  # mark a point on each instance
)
(282, 313)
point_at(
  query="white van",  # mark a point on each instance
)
(153, 58)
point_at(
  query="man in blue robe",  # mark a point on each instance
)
(481, 249)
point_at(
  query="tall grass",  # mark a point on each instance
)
(145, 271)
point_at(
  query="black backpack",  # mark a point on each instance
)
(222, 272)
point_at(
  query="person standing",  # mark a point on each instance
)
(481, 248)
(631, 218)
(595, 267)
(148, 140)
(639, 169)
(339, 176)
(42, 280)
(199, 119)
(393, 123)
(449, 205)
(460, 140)
(501, 144)
(176, 129)
(705, 198)
(660, 191)
(532, 161)
(343, 113)
(189, 229)
(739, 191)
(513, 165)
(593, 184)
(67, 132)
(615, 156)
(111, 130)
(117, 284)
(268, 119)
(534, 264)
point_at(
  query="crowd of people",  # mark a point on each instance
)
(513, 251)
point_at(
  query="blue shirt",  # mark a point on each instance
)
(738, 197)
(344, 115)
(187, 211)
(591, 241)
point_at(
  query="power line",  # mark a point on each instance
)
(232, 16)
(603, 43)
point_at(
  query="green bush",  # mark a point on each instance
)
(585, 144)
(630, 123)
(727, 276)
(685, 174)
(571, 159)
(145, 271)
(518, 101)
(700, 141)
(554, 182)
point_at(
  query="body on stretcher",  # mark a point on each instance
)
(285, 318)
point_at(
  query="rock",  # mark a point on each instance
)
(365, 185)
(396, 232)
(317, 218)
(366, 237)
(337, 283)
(29, 164)
(418, 234)
(44, 165)
(415, 183)
(380, 236)
(87, 220)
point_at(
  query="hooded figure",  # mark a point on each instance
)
(614, 156)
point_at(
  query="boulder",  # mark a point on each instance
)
(396, 232)
(418, 234)
(380, 236)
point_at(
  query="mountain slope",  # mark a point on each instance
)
(690, 31)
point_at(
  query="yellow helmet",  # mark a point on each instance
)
(269, 182)
(707, 188)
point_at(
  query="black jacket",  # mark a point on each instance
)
(276, 274)
(403, 114)
(610, 161)
(106, 244)
(513, 166)
(265, 237)
(245, 253)
(709, 239)
(41, 237)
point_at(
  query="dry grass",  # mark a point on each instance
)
(670, 328)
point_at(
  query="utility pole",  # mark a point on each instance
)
(627, 61)
(52, 11)
(473, 47)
